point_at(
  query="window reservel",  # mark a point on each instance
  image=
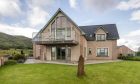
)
(89, 51)
(100, 37)
(102, 51)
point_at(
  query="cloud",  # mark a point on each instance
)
(135, 16)
(10, 8)
(17, 30)
(100, 5)
(40, 3)
(37, 16)
(37, 13)
(73, 3)
(132, 40)
(129, 4)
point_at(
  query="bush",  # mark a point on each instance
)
(131, 58)
(10, 58)
(10, 62)
(20, 58)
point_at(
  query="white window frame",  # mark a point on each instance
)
(102, 56)
(100, 34)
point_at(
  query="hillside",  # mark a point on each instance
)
(9, 41)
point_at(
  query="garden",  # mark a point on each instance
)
(124, 72)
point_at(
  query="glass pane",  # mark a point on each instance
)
(98, 37)
(53, 29)
(60, 33)
(53, 53)
(58, 22)
(102, 37)
(64, 22)
(69, 51)
(102, 51)
(68, 32)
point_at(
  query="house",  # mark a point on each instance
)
(125, 51)
(62, 39)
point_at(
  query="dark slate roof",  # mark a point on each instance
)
(111, 29)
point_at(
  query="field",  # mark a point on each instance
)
(125, 72)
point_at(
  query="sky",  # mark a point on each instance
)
(23, 17)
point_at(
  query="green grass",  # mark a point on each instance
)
(126, 72)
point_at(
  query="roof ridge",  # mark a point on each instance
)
(97, 25)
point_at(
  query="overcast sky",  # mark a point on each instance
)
(23, 17)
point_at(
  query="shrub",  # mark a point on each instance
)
(20, 58)
(136, 58)
(10, 58)
(131, 58)
(10, 62)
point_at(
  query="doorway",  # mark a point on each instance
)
(61, 53)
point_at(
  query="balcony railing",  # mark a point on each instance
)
(56, 38)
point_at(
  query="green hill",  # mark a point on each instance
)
(9, 41)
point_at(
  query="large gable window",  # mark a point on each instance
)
(102, 51)
(100, 37)
(61, 22)
(61, 28)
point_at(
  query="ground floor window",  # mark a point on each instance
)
(89, 51)
(102, 51)
(60, 52)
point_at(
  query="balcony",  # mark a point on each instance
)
(56, 38)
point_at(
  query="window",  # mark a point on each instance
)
(60, 33)
(53, 29)
(68, 32)
(102, 51)
(89, 51)
(62, 22)
(90, 35)
(100, 37)
(69, 51)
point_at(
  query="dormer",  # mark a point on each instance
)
(100, 34)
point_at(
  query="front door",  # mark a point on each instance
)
(61, 53)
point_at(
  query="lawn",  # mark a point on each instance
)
(126, 72)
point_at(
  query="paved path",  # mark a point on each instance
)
(29, 61)
(32, 61)
(100, 61)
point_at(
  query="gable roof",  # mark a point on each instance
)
(112, 32)
(88, 31)
(59, 10)
(124, 46)
(101, 27)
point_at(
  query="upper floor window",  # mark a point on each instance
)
(61, 22)
(102, 51)
(90, 35)
(68, 32)
(100, 37)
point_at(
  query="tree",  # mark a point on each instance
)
(80, 71)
